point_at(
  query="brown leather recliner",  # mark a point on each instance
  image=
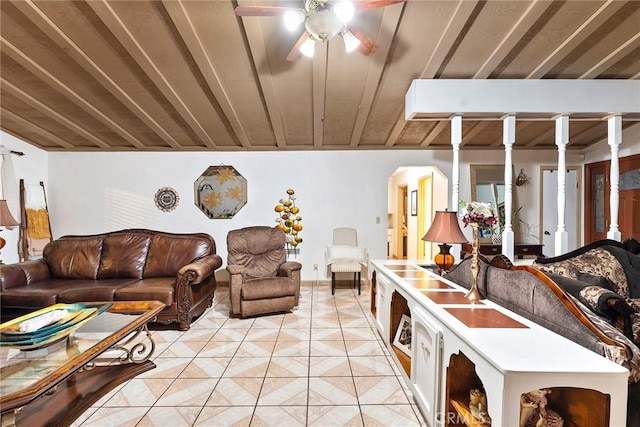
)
(261, 279)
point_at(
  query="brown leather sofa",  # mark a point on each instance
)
(126, 265)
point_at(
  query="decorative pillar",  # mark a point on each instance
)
(456, 140)
(562, 139)
(615, 139)
(508, 139)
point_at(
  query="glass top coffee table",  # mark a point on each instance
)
(53, 384)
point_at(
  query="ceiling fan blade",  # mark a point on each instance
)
(367, 46)
(364, 5)
(260, 10)
(295, 53)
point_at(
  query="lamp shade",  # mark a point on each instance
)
(6, 219)
(445, 229)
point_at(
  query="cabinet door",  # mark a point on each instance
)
(427, 352)
(382, 305)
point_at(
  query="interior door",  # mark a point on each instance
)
(597, 198)
(550, 209)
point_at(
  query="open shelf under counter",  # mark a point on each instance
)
(510, 355)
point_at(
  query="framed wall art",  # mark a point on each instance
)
(220, 192)
(414, 203)
(402, 339)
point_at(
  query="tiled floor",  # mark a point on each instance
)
(322, 365)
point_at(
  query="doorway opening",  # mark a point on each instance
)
(549, 208)
(414, 194)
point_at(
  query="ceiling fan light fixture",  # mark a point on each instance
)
(351, 42)
(323, 25)
(293, 19)
(344, 10)
(308, 47)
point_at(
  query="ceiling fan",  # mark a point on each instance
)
(323, 20)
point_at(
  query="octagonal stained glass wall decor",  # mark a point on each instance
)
(220, 192)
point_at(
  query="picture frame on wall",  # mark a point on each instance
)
(414, 203)
(402, 339)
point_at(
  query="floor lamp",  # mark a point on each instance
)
(444, 230)
(6, 220)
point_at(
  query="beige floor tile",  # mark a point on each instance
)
(324, 416)
(238, 323)
(379, 391)
(325, 322)
(255, 349)
(206, 367)
(293, 334)
(167, 367)
(326, 334)
(229, 335)
(116, 417)
(389, 415)
(236, 392)
(288, 367)
(198, 334)
(370, 366)
(219, 349)
(291, 348)
(356, 334)
(177, 416)
(328, 348)
(332, 391)
(284, 391)
(297, 323)
(331, 366)
(364, 348)
(247, 367)
(355, 322)
(270, 321)
(183, 349)
(140, 392)
(262, 334)
(289, 416)
(188, 392)
(225, 416)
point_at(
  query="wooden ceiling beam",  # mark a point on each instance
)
(434, 133)
(57, 85)
(52, 114)
(119, 29)
(30, 126)
(258, 54)
(181, 20)
(57, 36)
(388, 27)
(459, 18)
(475, 130)
(513, 37)
(627, 47)
(600, 16)
(319, 91)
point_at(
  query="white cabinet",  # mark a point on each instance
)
(425, 363)
(458, 346)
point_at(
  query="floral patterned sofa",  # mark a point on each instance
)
(603, 280)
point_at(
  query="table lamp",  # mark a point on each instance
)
(6, 220)
(445, 229)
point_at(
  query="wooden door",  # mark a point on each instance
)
(597, 194)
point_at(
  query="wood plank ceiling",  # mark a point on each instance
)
(192, 76)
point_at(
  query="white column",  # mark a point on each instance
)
(562, 139)
(615, 139)
(508, 138)
(456, 140)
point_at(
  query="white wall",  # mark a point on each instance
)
(98, 192)
(32, 167)
(630, 145)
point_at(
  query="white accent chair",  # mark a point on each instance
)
(345, 256)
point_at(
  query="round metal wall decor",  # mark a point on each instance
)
(166, 199)
(220, 192)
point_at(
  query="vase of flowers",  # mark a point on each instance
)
(476, 215)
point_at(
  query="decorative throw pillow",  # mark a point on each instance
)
(599, 281)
